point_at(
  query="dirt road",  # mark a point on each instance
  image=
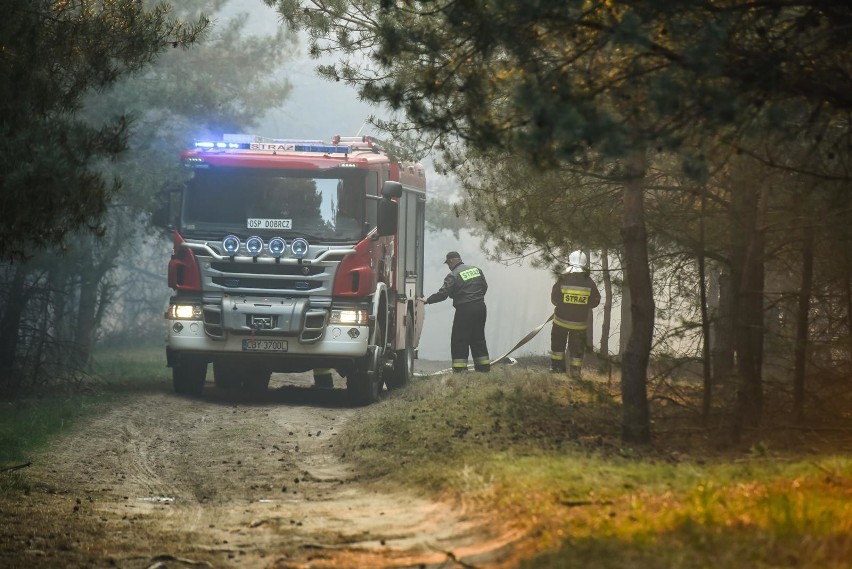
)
(227, 481)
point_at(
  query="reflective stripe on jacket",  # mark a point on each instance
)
(574, 295)
(464, 284)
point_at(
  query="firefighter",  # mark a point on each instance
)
(466, 285)
(574, 294)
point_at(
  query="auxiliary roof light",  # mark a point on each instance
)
(277, 246)
(231, 244)
(254, 245)
(299, 247)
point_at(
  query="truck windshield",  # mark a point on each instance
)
(322, 206)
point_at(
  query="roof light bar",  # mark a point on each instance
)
(272, 147)
(206, 144)
(339, 144)
(322, 148)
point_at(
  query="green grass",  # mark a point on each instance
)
(544, 452)
(27, 425)
(131, 367)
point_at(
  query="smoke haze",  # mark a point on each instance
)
(518, 296)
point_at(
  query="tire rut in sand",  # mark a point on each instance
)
(238, 482)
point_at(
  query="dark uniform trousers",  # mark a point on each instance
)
(469, 337)
(574, 295)
(576, 340)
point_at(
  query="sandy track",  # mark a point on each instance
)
(229, 481)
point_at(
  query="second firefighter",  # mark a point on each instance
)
(574, 294)
(466, 285)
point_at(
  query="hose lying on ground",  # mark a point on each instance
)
(504, 359)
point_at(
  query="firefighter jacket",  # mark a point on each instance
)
(464, 284)
(573, 295)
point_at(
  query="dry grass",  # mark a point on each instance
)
(544, 452)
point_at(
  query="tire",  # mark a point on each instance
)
(188, 376)
(226, 376)
(364, 383)
(403, 369)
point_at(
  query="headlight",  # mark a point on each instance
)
(231, 244)
(277, 246)
(184, 312)
(299, 247)
(254, 245)
(356, 317)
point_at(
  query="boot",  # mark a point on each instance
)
(575, 372)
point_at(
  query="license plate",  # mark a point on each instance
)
(264, 345)
(256, 223)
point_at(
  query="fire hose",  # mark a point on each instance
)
(511, 361)
(523, 340)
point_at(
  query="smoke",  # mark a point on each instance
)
(518, 296)
(518, 301)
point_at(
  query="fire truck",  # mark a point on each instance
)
(296, 255)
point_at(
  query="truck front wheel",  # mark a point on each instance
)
(188, 376)
(364, 383)
(403, 367)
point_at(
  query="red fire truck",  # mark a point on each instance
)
(294, 255)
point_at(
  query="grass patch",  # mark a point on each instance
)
(131, 367)
(545, 453)
(26, 425)
(29, 424)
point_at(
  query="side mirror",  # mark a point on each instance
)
(391, 190)
(388, 221)
(160, 217)
(388, 218)
(163, 214)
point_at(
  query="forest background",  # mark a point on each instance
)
(704, 150)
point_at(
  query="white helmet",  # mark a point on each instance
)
(577, 262)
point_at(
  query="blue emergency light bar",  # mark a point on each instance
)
(221, 145)
(274, 146)
(326, 149)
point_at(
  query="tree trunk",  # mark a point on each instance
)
(636, 427)
(707, 397)
(626, 318)
(849, 315)
(590, 320)
(60, 290)
(84, 329)
(604, 358)
(802, 324)
(747, 274)
(722, 343)
(93, 299)
(10, 325)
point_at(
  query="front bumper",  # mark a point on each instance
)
(338, 340)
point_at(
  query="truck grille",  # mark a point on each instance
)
(239, 277)
(266, 284)
(277, 269)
